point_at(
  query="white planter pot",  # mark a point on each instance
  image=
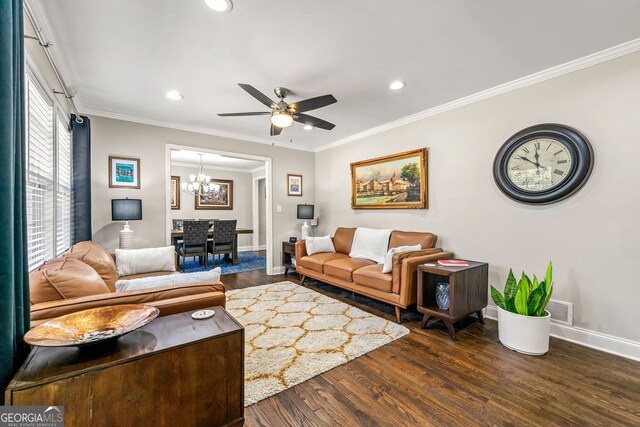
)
(524, 334)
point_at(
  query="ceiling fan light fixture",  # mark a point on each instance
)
(281, 119)
(219, 5)
(308, 127)
(397, 85)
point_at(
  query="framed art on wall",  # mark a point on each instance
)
(220, 196)
(398, 181)
(175, 192)
(124, 172)
(294, 185)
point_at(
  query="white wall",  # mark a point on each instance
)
(242, 203)
(262, 212)
(592, 237)
(118, 137)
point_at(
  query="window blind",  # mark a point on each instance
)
(40, 176)
(48, 177)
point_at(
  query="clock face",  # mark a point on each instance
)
(539, 164)
(543, 164)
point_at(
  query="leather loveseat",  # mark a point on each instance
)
(364, 276)
(85, 278)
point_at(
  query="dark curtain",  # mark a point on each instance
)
(81, 152)
(14, 276)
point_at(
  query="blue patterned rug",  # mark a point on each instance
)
(249, 261)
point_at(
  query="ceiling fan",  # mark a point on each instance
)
(283, 114)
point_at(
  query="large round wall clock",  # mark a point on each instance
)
(543, 164)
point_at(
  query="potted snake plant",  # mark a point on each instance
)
(523, 321)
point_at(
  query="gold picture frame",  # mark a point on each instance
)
(175, 192)
(294, 185)
(397, 181)
(219, 199)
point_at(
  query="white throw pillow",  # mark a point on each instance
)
(319, 244)
(169, 280)
(149, 260)
(370, 243)
(388, 259)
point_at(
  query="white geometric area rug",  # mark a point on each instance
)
(293, 334)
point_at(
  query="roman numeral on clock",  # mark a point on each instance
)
(562, 162)
(515, 168)
(537, 145)
(526, 150)
(559, 152)
(558, 172)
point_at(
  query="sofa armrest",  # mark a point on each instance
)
(301, 249)
(159, 297)
(404, 283)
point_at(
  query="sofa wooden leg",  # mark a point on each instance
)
(398, 315)
(302, 279)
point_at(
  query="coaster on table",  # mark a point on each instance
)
(202, 314)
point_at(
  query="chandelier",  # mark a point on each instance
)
(199, 184)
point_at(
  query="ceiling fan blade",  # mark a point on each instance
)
(275, 130)
(258, 95)
(313, 103)
(313, 121)
(257, 113)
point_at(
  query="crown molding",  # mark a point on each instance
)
(190, 128)
(259, 169)
(211, 168)
(550, 73)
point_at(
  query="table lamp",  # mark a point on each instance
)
(305, 212)
(126, 210)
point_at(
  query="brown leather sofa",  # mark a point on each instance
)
(364, 276)
(85, 278)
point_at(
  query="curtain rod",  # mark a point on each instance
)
(46, 45)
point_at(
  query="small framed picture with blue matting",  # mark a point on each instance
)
(124, 172)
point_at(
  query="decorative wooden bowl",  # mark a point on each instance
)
(92, 326)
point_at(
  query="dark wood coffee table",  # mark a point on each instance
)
(173, 371)
(468, 292)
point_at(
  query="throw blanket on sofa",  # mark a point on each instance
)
(370, 243)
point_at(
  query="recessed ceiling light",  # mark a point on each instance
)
(219, 5)
(308, 127)
(174, 95)
(397, 85)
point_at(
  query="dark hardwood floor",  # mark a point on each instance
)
(425, 378)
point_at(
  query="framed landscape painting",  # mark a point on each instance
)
(175, 192)
(398, 181)
(220, 197)
(294, 185)
(124, 172)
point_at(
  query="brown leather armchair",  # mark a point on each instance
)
(85, 278)
(364, 276)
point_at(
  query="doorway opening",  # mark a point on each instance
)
(228, 184)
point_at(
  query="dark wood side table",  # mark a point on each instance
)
(468, 292)
(288, 256)
(173, 371)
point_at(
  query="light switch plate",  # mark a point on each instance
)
(279, 208)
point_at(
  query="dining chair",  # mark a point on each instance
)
(194, 241)
(224, 237)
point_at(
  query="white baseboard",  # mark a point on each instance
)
(252, 248)
(596, 340)
(277, 270)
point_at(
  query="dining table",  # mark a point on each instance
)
(177, 235)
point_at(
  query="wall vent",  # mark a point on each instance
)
(561, 312)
